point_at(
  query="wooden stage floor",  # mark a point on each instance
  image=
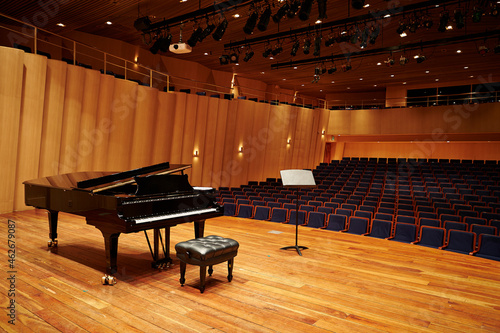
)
(342, 283)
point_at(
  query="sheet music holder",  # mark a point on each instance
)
(297, 179)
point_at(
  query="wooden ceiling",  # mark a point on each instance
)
(443, 65)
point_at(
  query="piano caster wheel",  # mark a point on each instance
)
(108, 280)
(52, 243)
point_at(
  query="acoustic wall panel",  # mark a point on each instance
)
(30, 130)
(164, 127)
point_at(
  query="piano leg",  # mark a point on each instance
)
(53, 228)
(199, 228)
(158, 262)
(111, 248)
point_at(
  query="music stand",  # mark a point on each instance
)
(298, 179)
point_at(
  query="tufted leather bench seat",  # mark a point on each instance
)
(206, 251)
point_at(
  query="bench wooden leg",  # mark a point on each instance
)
(230, 263)
(210, 270)
(203, 273)
(183, 273)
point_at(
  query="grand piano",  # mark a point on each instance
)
(154, 197)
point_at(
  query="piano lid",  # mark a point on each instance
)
(97, 181)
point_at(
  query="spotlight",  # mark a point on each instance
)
(332, 69)
(374, 32)
(281, 13)
(389, 62)
(206, 32)
(305, 10)
(459, 19)
(221, 29)
(358, 4)
(156, 47)
(224, 59)
(142, 23)
(295, 48)
(317, 71)
(401, 29)
(412, 27)
(251, 22)
(234, 58)
(330, 41)
(403, 60)
(248, 55)
(317, 46)
(264, 19)
(267, 52)
(483, 49)
(277, 50)
(321, 9)
(428, 23)
(161, 44)
(195, 37)
(294, 7)
(476, 14)
(443, 21)
(307, 45)
(420, 58)
(346, 67)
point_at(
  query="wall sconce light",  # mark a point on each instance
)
(240, 149)
(289, 141)
(196, 153)
(323, 132)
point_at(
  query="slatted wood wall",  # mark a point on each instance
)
(58, 118)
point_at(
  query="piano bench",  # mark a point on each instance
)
(206, 251)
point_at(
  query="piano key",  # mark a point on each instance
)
(175, 215)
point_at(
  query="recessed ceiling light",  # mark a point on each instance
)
(262, 72)
(236, 15)
(374, 85)
(183, 0)
(459, 51)
(348, 87)
(271, 58)
(367, 5)
(109, 22)
(321, 90)
(360, 79)
(404, 82)
(206, 53)
(284, 79)
(392, 75)
(61, 24)
(318, 22)
(387, 15)
(379, 63)
(295, 67)
(302, 85)
(333, 81)
(466, 67)
(427, 72)
(437, 80)
(471, 76)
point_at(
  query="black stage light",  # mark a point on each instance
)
(317, 71)
(307, 45)
(389, 62)
(358, 4)
(281, 13)
(346, 67)
(401, 29)
(221, 29)
(412, 27)
(295, 48)
(321, 9)
(277, 50)
(195, 37)
(224, 59)
(165, 43)
(459, 19)
(266, 52)
(142, 23)
(156, 47)
(428, 23)
(251, 22)
(374, 32)
(305, 10)
(332, 70)
(494, 10)
(234, 58)
(403, 60)
(496, 49)
(477, 14)
(264, 19)
(317, 46)
(294, 7)
(443, 21)
(420, 58)
(207, 31)
(248, 55)
(330, 41)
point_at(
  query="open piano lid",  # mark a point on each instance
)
(113, 180)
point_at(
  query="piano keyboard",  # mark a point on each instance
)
(175, 215)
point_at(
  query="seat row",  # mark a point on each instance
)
(452, 236)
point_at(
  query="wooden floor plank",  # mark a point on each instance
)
(341, 283)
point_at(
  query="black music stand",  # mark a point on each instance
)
(298, 179)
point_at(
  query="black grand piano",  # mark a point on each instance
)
(155, 197)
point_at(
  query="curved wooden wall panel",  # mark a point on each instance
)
(55, 88)
(75, 119)
(30, 131)
(104, 125)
